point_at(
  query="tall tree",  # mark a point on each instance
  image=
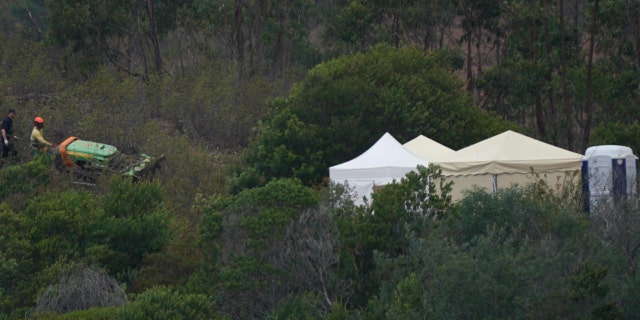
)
(538, 70)
(25, 18)
(122, 33)
(361, 24)
(262, 36)
(344, 105)
(589, 103)
(480, 24)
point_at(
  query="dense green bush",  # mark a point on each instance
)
(162, 303)
(250, 244)
(499, 257)
(24, 180)
(344, 105)
(56, 229)
(411, 207)
(111, 313)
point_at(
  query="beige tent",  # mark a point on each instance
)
(427, 148)
(508, 158)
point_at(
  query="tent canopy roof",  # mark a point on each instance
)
(382, 160)
(426, 148)
(508, 152)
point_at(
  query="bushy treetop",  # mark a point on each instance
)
(343, 106)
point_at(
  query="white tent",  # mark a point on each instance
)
(508, 158)
(427, 148)
(387, 160)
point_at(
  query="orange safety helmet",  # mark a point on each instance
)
(38, 120)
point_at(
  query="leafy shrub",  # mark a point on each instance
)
(247, 240)
(134, 225)
(110, 313)
(162, 303)
(24, 179)
(411, 207)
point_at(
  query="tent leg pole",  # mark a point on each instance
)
(494, 181)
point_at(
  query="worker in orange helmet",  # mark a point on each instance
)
(38, 144)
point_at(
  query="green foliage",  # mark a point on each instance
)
(135, 223)
(362, 24)
(50, 229)
(62, 225)
(25, 180)
(31, 70)
(24, 18)
(164, 303)
(108, 92)
(89, 27)
(15, 264)
(517, 212)
(174, 265)
(110, 313)
(295, 307)
(57, 229)
(409, 208)
(344, 105)
(441, 280)
(247, 238)
(406, 300)
(340, 312)
(519, 254)
(617, 133)
(498, 257)
(126, 199)
(618, 228)
(212, 103)
(272, 157)
(586, 282)
(189, 175)
(160, 303)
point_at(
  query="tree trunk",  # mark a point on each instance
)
(563, 74)
(154, 37)
(469, 52)
(539, 112)
(589, 103)
(238, 34)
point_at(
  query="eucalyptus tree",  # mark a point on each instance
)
(123, 33)
(482, 35)
(615, 98)
(259, 36)
(529, 85)
(24, 18)
(357, 25)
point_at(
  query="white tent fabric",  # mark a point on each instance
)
(506, 159)
(387, 160)
(427, 148)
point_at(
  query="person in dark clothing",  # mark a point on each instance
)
(7, 133)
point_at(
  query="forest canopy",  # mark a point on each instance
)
(251, 102)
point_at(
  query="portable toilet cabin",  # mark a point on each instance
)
(609, 174)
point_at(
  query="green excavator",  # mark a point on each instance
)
(88, 160)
